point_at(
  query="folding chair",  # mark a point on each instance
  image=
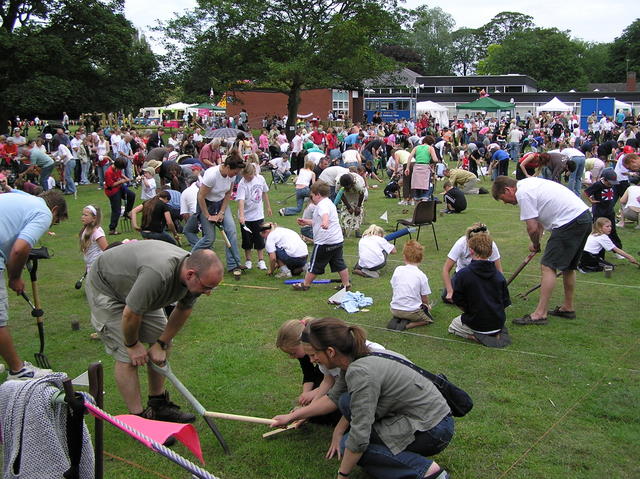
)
(424, 214)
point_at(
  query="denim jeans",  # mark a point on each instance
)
(380, 462)
(69, 185)
(101, 170)
(45, 173)
(163, 236)
(190, 230)
(209, 236)
(301, 194)
(575, 179)
(84, 172)
(514, 150)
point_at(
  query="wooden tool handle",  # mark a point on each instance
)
(237, 417)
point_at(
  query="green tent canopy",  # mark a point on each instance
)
(487, 104)
(208, 106)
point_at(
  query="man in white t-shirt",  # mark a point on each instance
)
(547, 205)
(214, 196)
(331, 176)
(327, 238)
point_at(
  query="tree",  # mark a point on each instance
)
(287, 45)
(596, 62)
(625, 52)
(431, 37)
(546, 54)
(405, 56)
(465, 50)
(503, 25)
(82, 56)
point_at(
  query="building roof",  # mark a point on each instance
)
(608, 86)
(399, 77)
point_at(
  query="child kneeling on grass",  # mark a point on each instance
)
(327, 238)
(372, 252)
(592, 259)
(481, 292)
(410, 302)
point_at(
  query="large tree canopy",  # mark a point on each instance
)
(625, 52)
(287, 45)
(546, 54)
(431, 36)
(81, 56)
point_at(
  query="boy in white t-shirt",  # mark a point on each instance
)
(251, 193)
(327, 238)
(410, 302)
(372, 252)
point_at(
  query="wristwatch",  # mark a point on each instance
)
(162, 344)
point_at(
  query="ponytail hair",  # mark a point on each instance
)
(331, 332)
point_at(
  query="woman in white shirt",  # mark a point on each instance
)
(305, 178)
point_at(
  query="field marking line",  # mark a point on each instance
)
(531, 275)
(578, 402)
(516, 351)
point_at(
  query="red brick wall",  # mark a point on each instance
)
(261, 103)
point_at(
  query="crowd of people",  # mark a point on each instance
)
(387, 417)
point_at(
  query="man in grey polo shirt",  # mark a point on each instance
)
(127, 287)
(547, 205)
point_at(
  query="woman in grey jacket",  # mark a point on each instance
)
(395, 416)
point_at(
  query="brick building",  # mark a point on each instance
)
(317, 103)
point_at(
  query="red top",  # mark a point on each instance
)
(317, 137)
(110, 177)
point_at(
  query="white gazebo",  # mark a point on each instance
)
(620, 105)
(439, 112)
(554, 105)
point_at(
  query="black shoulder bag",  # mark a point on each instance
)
(457, 399)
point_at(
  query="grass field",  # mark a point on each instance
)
(559, 402)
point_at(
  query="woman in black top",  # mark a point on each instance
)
(156, 219)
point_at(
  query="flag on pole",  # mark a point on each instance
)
(385, 217)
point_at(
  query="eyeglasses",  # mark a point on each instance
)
(204, 286)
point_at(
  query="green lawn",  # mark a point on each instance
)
(557, 403)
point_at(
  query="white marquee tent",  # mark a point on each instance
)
(620, 105)
(439, 112)
(554, 105)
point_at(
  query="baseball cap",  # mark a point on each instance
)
(609, 174)
(149, 170)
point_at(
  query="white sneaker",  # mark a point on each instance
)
(262, 265)
(28, 371)
(248, 264)
(620, 224)
(284, 273)
(402, 202)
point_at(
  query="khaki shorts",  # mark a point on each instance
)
(106, 318)
(458, 328)
(417, 315)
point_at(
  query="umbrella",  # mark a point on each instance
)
(225, 133)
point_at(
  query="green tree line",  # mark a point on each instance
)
(84, 55)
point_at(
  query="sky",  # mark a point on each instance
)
(585, 19)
